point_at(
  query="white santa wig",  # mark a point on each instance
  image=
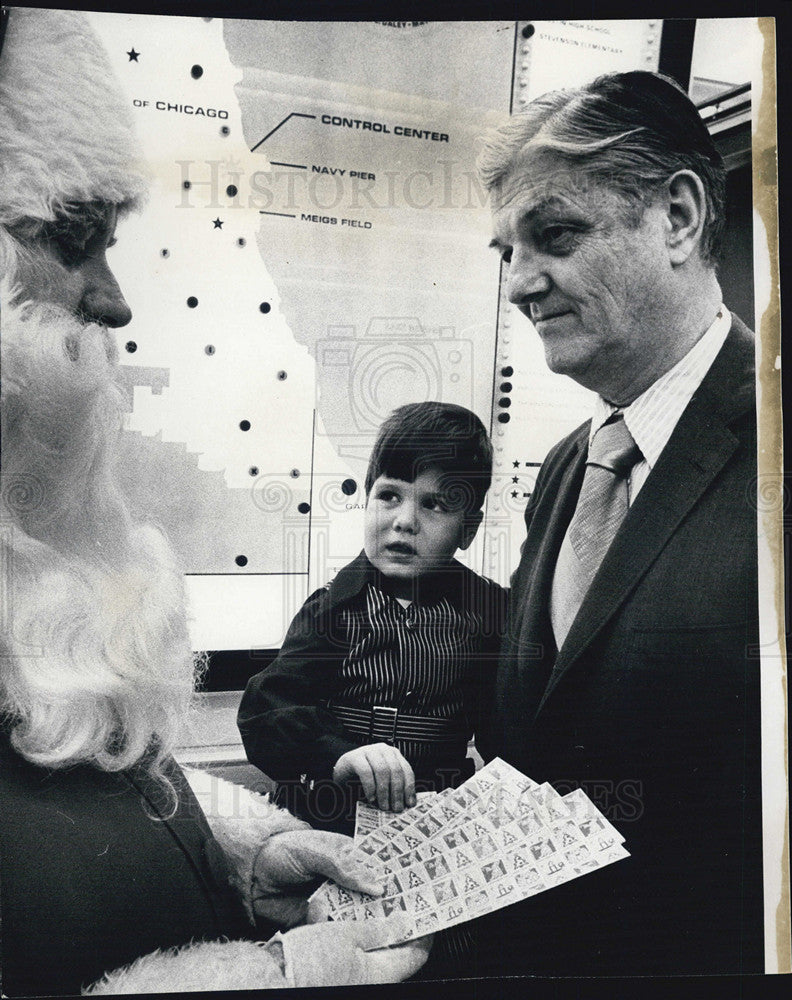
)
(95, 662)
(65, 129)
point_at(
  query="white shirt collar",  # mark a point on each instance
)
(652, 416)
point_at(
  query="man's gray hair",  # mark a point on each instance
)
(627, 131)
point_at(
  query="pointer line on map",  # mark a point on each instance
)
(293, 114)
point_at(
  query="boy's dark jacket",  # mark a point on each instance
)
(285, 727)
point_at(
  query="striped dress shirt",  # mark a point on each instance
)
(416, 659)
(652, 416)
(352, 646)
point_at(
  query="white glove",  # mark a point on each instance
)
(328, 954)
(290, 865)
(350, 953)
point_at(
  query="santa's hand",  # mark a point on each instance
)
(351, 953)
(290, 865)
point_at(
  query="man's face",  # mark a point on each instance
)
(591, 281)
(414, 528)
(65, 263)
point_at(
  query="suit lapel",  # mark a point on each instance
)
(534, 633)
(699, 447)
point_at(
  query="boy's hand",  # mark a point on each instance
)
(387, 778)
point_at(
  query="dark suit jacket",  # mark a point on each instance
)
(652, 704)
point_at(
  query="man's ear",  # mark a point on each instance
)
(469, 529)
(686, 212)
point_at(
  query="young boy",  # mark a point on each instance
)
(383, 674)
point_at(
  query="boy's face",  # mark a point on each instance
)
(414, 528)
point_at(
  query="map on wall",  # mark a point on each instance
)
(314, 254)
(208, 357)
(375, 227)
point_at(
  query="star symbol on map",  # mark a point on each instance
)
(515, 494)
(516, 464)
(133, 56)
(515, 479)
(218, 223)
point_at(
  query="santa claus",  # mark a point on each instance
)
(113, 877)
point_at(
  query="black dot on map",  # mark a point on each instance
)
(303, 508)
(164, 252)
(253, 471)
(528, 31)
(507, 372)
(265, 307)
(232, 190)
(503, 418)
(225, 130)
(241, 560)
(241, 242)
(187, 185)
(504, 401)
(131, 346)
(244, 425)
(209, 349)
(192, 302)
(506, 387)
(295, 473)
(196, 72)
(281, 376)
(348, 487)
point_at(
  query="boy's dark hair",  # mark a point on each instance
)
(420, 436)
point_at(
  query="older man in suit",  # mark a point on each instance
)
(630, 664)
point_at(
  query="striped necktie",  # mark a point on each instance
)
(601, 508)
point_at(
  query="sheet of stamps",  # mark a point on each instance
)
(458, 854)
(369, 818)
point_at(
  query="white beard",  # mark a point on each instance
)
(95, 661)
